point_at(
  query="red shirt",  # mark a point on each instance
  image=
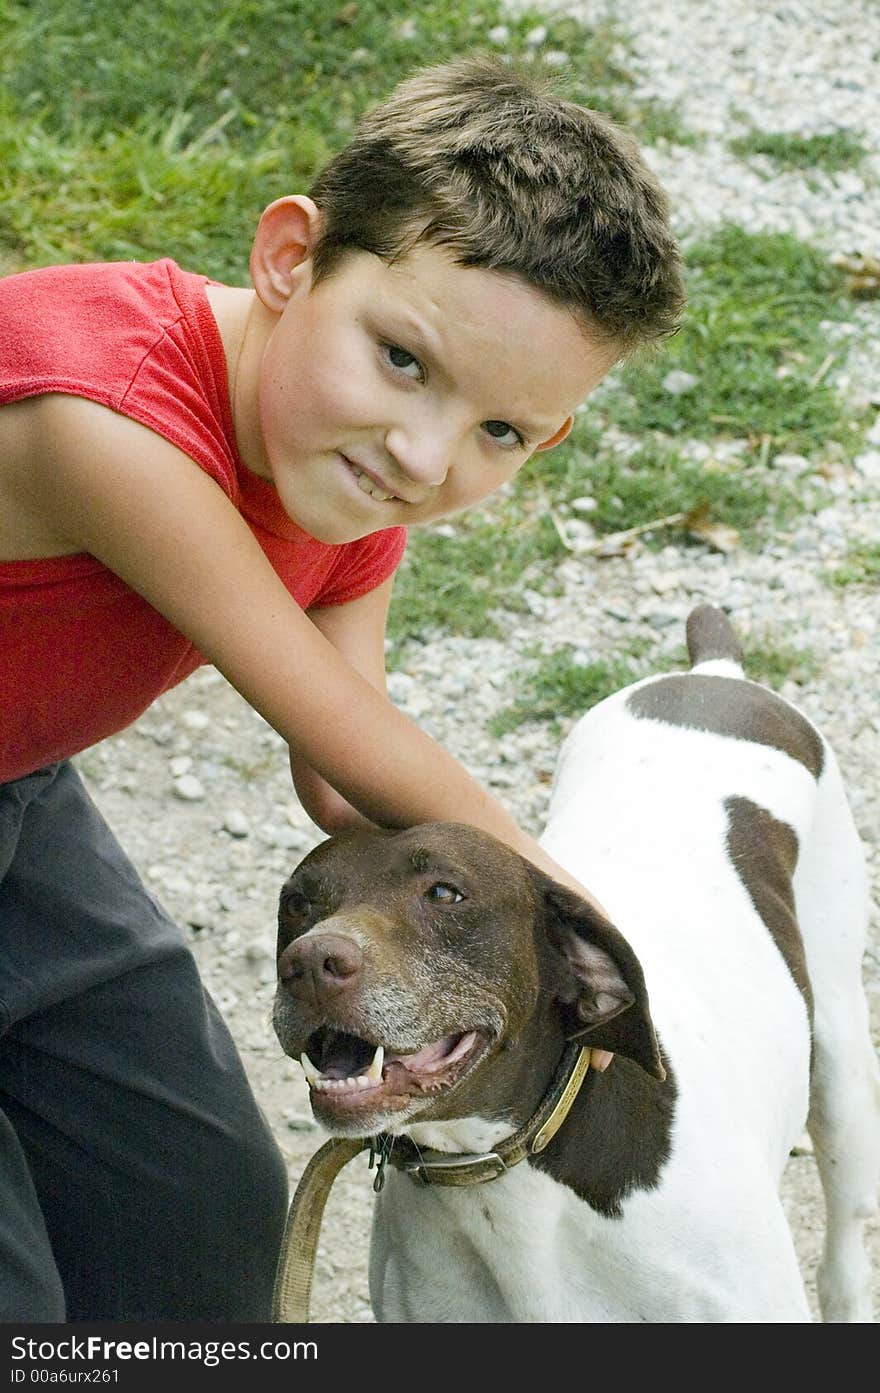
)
(81, 653)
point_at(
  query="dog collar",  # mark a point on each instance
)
(447, 1168)
(296, 1262)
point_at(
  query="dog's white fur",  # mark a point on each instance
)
(637, 816)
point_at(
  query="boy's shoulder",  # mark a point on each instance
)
(87, 328)
(138, 338)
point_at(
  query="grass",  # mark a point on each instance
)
(756, 341)
(861, 566)
(467, 582)
(774, 662)
(461, 582)
(655, 480)
(131, 132)
(834, 151)
(562, 688)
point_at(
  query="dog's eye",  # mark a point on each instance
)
(443, 894)
(295, 902)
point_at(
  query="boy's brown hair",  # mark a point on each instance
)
(487, 161)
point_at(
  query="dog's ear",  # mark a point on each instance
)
(603, 993)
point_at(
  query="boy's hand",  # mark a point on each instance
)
(600, 1059)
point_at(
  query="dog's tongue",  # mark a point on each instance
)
(436, 1056)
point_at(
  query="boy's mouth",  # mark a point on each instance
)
(370, 485)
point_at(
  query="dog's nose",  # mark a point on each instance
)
(329, 961)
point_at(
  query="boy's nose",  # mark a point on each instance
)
(423, 457)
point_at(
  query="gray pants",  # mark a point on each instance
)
(138, 1178)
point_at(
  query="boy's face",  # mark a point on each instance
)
(400, 394)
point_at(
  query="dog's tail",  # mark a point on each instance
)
(711, 640)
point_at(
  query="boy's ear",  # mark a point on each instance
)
(285, 238)
(558, 436)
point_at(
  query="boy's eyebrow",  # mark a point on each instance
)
(426, 340)
(428, 345)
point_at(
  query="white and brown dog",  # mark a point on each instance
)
(433, 982)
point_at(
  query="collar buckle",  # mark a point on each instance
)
(444, 1170)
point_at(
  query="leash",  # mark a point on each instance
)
(296, 1262)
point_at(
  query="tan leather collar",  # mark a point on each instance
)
(446, 1168)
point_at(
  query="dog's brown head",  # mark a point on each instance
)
(409, 961)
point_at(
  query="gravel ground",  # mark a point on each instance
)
(198, 790)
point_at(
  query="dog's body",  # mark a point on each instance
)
(709, 819)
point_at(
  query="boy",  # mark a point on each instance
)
(192, 472)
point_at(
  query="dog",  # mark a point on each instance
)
(434, 984)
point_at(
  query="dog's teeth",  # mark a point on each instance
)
(368, 1079)
(311, 1073)
(374, 1073)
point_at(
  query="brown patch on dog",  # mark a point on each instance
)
(765, 852)
(617, 1137)
(733, 708)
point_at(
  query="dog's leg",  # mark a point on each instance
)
(844, 1122)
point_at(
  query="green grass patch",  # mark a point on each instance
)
(138, 194)
(861, 566)
(656, 482)
(834, 151)
(464, 583)
(149, 131)
(653, 123)
(773, 663)
(754, 340)
(561, 687)
(454, 583)
(314, 64)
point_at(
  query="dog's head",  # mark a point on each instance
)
(412, 963)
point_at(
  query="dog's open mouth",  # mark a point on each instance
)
(347, 1070)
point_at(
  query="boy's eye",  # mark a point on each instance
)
(502, 433)
(403, 361)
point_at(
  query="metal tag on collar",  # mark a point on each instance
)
(422, 1170)
(380, 1146)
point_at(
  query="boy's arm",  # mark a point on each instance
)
(109, 486)
(357, 631)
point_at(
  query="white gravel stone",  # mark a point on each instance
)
(195, 720)
(189, 788)
(236, 823)
(678, 382)
(869, 464)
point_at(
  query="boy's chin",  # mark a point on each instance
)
(338, 534)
